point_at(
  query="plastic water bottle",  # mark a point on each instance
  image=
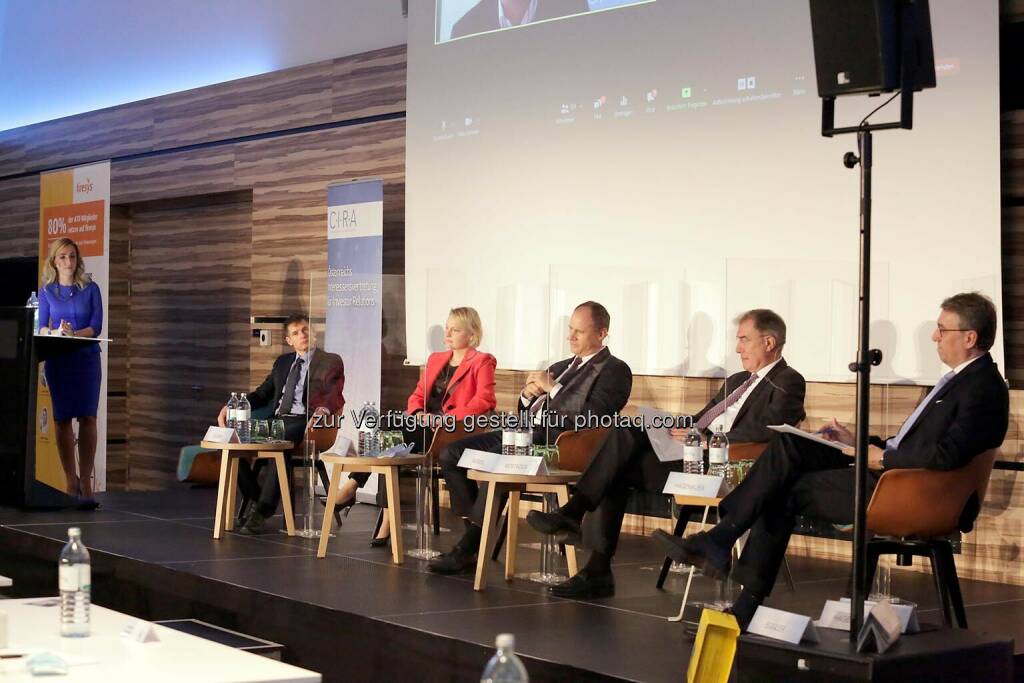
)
(693, 453)
(33, 302)
(524, 437)
(375, 432)
(508, 435)
(233, 410)
(243, 416)
(504, 666)
(75, 579)
(369, 431)
(718, 454)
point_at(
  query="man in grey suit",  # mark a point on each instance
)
(592, 382)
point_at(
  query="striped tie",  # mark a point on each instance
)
(716, 410)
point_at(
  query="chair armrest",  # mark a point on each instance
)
(325, 436)
(577, 449)
(746, 450)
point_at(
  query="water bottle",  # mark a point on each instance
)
(33, 302)
(718, 454)
(524, 437)
(369, 433)
(504, 666)
(243, 416)
(75, 579)
(363, 435)
(375, 431)
(693, 453)
(508, 435)
(233, 410)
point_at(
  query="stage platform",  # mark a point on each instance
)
(354, 616)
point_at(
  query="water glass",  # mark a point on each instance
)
(259, 430)
(277, 430)
(550, 455)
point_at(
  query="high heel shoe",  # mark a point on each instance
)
(342, 508)
(380, 542)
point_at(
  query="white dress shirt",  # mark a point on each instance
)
(505, 22)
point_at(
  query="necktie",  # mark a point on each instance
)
(894, 442)
(288, 397)
(716, 410)
(562, 379)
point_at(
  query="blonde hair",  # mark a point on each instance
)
(50, 269)
(471, 319)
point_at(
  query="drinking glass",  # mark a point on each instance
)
(260, 430)
(277, 430)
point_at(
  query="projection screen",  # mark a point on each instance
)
(665, 159)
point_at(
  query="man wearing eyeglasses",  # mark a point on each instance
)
(965, 414)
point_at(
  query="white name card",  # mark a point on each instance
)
(836, 614)
(139, 631)
(342, 446)
(221, 435)
(496, 463)
(785, 626)
(701, 485)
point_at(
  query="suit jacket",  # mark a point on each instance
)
(325, 380)
(470, 390)
(600, 387)
(484, 15)
(777, 399)
(969, 415)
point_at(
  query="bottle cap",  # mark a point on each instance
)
(505, 640)
(74, 532)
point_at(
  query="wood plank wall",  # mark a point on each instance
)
(198, 142)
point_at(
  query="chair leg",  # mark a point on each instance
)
(502, 534)
(871, 566)
(681, 522)
(379, 524)
(435, 503)
(788, 574)
(939, 576)
(953, 589)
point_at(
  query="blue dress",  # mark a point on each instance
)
(74, 379)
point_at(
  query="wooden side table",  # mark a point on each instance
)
(514, 484)
(227, 486)
(384, 466)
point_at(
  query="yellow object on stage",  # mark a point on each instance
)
(715, 648)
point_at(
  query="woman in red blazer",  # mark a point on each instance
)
(457, 382)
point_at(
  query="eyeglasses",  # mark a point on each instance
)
(940, 329)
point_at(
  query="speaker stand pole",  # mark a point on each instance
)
(865, 359)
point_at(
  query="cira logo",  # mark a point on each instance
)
(85, 187)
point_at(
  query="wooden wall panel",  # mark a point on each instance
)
(19, 217)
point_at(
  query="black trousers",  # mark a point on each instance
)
(468, 499)
(268, 496)
(625, 461)
(792, 477)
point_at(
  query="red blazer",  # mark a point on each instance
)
(470, 390)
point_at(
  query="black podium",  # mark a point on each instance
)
(21, 352)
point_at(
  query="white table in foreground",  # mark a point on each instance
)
(175, 658)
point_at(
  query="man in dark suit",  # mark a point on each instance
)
(591, 383)
(766, 392)
(491, 15)
(965, 414)
(308, 378)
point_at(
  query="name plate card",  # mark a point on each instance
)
(836, 614)
(785, 626)
(880, 630)
(700, 485)
(139, 631)
(496, 463)
(221, 435)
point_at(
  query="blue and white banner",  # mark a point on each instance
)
(355, 243)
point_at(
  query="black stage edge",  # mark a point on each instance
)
(354, 616)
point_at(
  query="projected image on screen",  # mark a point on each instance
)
(666, 159)
(463, 18)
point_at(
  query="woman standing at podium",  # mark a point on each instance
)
(70, 305)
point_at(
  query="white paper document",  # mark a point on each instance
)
(811, 436)
(665, 447)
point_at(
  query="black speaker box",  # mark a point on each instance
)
(857, 45)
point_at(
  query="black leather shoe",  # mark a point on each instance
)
(244, 510)
(584, 585)
(254, 525)
(565, 529)
(380, 542)
(455, 561)
(698, 550)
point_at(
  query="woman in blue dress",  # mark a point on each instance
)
(70, 305)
